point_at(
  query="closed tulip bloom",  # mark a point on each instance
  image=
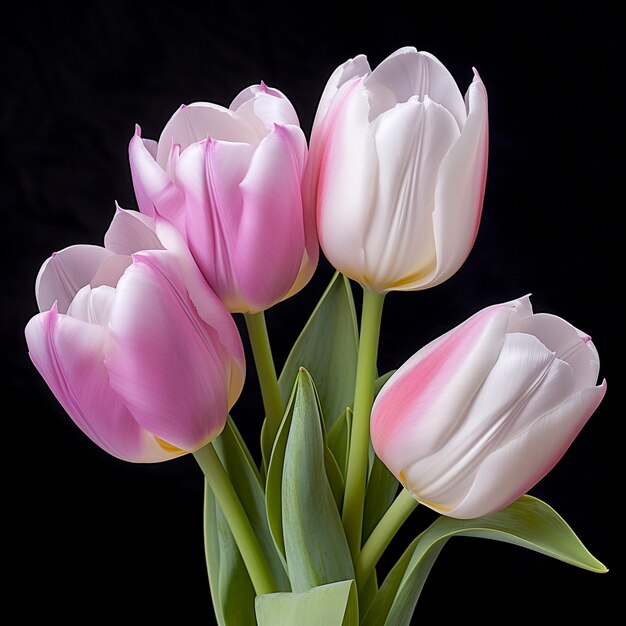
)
(477, 417)
(230, 180)
(138, 350)
(397, 170)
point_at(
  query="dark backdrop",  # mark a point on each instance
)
(94, 534)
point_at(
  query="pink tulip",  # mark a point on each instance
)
(135, 346)
(397, 171)
(230, 181)
(477, 417)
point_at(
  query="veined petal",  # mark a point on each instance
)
(407, 73)
(154, 188)
(65, 272)
(412, 140)
(69, 354)
(461, 188)
(210, 173)
(195, 122)
(347, 181)
(130, 232)
(270, 239)
(418, 408)
(568, 343)
(167, 364)
(522, 462)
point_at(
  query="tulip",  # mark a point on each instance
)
(477, 417)
(230, 181)
(135, 346)
(397, 171)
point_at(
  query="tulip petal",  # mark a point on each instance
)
(93, 305)
(521, 463)
(130, 232)
(210, 173)
(65, 272)
(69, 355)
(570, 344)
(195, 122)
(166, 363)
(266, 109)
(412, 140)
(410, 417)
(407, 73)
(154, 188)
(347, 181)
(270, 238)
(460, 189)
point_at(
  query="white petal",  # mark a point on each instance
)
(65, 272)
(198, 121)
(265, 110)
(570, 345)
(93, 305)
(408, 73)
(524, 461)
(131, 231)
(412, 139)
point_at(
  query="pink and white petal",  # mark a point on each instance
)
(210, 173)
(111, 270)
(347, 182)
(167, 364)
(195, 122)
(265, 110)
(208, 305)
(93, 305)
(131, 231)
(521, 463)
(154, 188)
(250, 92)
(461, 188)
(570, 344)
(408, 73)
(69, 354)
(412, 140)
(420, 406)
(270, 239)
(65, 272)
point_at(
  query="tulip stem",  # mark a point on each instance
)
(356, 476)
(382, 535)
(245, 537)
(266, 372)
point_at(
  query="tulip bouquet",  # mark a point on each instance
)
(137, 342)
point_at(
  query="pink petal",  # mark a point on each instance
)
(93, 305)
(210, 173)
(65, 272)
(249, 93)
(270, 239)
(154, 188)
(69, 354)
(130, 232)
(166, 362)
(461, 188)
(524, 461)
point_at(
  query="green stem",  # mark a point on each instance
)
(264, 362)
(356, 476)
(382, 535)
(247, 542)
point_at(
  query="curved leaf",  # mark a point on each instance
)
(328, 605)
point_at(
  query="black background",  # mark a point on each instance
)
(96, 536)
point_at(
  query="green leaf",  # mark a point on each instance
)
(231, 588)
(528, 522)
(244, 475)
(316, 549)
(327, 347)
(338, 440)
(328, 605)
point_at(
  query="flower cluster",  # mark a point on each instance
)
(137, 342)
